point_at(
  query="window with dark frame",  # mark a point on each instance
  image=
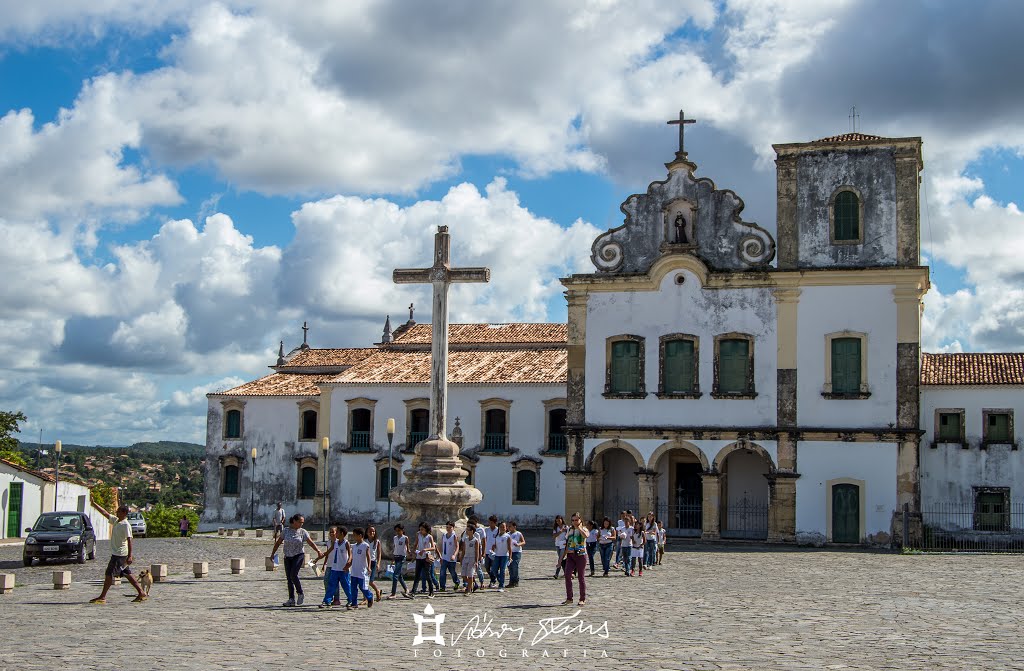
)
(361, 432)
(557, 441)
(846, 217)
(950, 428)
(625, 367)
(526, 486)
(231, 479)
(678, 367)
(307, 482)
(991, 512)
(997, 428)
(233, 422)
(846, 365)
(495, 430)
(419, 426)
(308, 425)
(384, 483)
(734, 366)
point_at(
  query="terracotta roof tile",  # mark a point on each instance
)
(849, 137)
(480, 367)
(463, 334)
(280, 384)
(329, 357)
(972, 369)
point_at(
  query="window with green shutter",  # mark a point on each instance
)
(997, 428)
(234, 424)
(846, 217)
(846, 365)
(678, 367)
(733, 366)
(625, 367)
(949, 427)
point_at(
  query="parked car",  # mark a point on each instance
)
(138, 524)
(60, 535)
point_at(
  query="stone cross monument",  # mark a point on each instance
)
(435, 489)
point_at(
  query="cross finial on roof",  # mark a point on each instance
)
(305, 333)
(280, 355)
(410, 311)
(387, 330)
(681, 122)
(854, 119)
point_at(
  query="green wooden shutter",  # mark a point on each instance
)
(231, 480)
(234, 419)
(998, 427)
(949, 427)
(677, 374)
(308, 484)
(846, 365)
(733, 366)
(625, 367)
(846, 216)
(526, 486)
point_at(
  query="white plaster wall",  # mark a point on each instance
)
(864, 309)
(647, 446)
(948, 472)
(31, 500)
(745, 478)
(819, 462)
(685, 308)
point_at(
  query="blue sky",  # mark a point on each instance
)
(183, 185)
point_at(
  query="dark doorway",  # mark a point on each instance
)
(845, 513)
(686, 514)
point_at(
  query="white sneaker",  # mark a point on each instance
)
(298, 602)
(501, 589)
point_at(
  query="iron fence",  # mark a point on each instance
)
(987, 525)
(684, 517)
(746, 519)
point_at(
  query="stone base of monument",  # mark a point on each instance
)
(62, 579)
(159, 572)
(200, 569)
(6, 583)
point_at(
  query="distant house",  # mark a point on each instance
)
(26, 493)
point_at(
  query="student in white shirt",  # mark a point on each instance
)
(626, 546)
(489, 533)
(470, 552)
(449, 550)
(501, 551)
(619, 526)
(636, 558)
(662, 539)
(376, 555)
(481, 536)
(425, 550)
(400, 543)
(518, 543)
(336, 564)
(606, 538)
(359, 572)
(651, 540)
(591, 544)
(558, 531)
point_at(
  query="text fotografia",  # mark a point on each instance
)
(569, 634)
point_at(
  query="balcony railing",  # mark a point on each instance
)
(416, 437)
(359, 441)
(495, 442)
(557, 442)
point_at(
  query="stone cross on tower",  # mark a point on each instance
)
(681, 122)
(441, 275)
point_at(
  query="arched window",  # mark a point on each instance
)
(307, 482)
(230, 479)
(308, 425)
(846, 217)
(361, 433)
(526, 486)
(233, 424)
(385, 483)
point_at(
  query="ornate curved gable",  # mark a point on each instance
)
(683, 215)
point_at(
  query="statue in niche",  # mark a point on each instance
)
(680, 228)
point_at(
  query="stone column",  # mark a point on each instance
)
(908, 217)
(647, 483)
(787, 231)
(579, 493)
(710, 484)
(782, 510)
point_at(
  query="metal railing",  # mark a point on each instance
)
(359, 440)
(495, 442)
(746, 518)
(965, 527)
(557, 442)
(415, 438)
(682, 517)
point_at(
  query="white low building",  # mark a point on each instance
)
(25, 494)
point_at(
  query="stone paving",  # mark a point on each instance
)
(705, 608)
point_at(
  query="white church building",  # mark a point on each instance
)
(740, 385)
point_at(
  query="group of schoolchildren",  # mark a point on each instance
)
(350, 566)
(631, 545)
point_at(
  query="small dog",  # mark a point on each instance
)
(145, 581)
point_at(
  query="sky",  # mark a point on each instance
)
(182, 184)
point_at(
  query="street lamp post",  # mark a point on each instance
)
(252, 487)
(325, 445)
(391, 438)
(56, 477)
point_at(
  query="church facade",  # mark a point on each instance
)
(740, 384)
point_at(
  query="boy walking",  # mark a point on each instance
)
(359, 570)
(121, 558)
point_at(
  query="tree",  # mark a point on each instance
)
(9, 444)
(103, 496)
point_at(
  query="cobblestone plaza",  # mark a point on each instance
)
(705, 608)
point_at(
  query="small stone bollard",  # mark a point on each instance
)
(259, 533)
(159, 572)
(116, 580)
(231, 532)
(269, 563)
(6, 583)
(241, 533)
(62, 579)
(201, 569)
(238, 565)
(220, 531)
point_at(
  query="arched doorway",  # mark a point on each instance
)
(616, 486)
(680, 489)
(744, 490)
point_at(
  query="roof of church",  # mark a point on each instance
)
(520, 366)
(280, 384)
(972, 369)
(849, 137)
(465, 334)
(315, 358)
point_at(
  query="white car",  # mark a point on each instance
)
(138, 524)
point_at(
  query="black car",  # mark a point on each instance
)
(60, 536)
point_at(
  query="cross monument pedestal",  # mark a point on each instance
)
(435, 488)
